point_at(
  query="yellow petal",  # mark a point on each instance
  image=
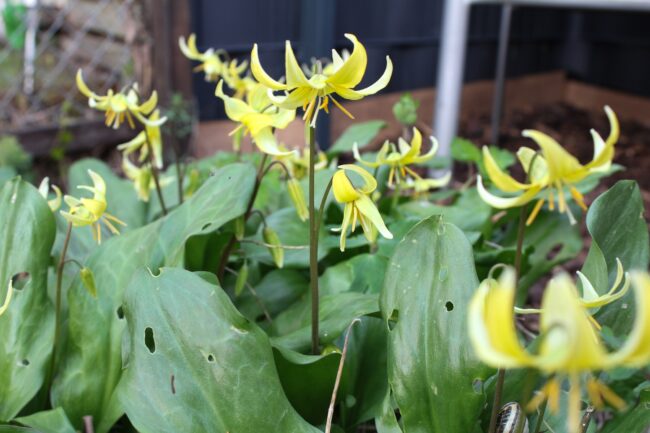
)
(561, 164)
(83, 88)
(538, 173)
(604, 150)
(5, 304)
(369, 182)
(295, 76)
(297, 98)
(148, 106)
(635, 352)
(358, 158)
(351, 72)
(344, 191)
(347, 216)
(189, 48)
(236, 109)
(430, 154)
(368, 210)
(266, 142)
(491, 323)
(381, 82)
(505, 202)
(261, 75)
(501, 180)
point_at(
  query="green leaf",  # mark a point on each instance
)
(635, 420)
(432, 369)
(618, 230)
(465, 151)
(307, 381)
(92, 366)
(406, 110)
(336, 312)
(360, 133)
(27, 327)
(194, 364)
(363, 273)
(277, 290)
(51, 421)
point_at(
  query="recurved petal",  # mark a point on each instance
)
(260, 74)
(381, 82)
(295, 76)
(369, 182)
(266, 142)
(430, 154)
(83, 88)
(149, 105)
(636, 349)
(368, 209)
(358, 158)
(492, 326)
(347, 216)
(350, 73)
(561, 164)
(501, 180)
(604, 150)
(282, 118)
(189, 48)
(134, 144)
(98, 182)
(236, 109)
(505, 202)
(297, 98)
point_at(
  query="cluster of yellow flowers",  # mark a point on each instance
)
(125, 105)
(570, 347)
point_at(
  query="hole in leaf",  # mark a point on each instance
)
(449, 306)
(210, 358)
(477, 386)
(149, 340)
(19, 281)
(206, 226)
(554, 252)
(24, 362)
(392, 319)
(120, 312)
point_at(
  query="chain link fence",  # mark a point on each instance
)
(44, 42)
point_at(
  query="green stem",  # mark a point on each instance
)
(498, 391)
(154, 173)
(321, 209)
(57, 305)
(396, 195)
(313, 242)
(540, 417)
(249, 210)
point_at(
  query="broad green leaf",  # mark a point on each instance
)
(51, 421)
(360, 133)
(363, 273)
(276, 291)
(386, 422)
(293, 233)
(432, 369)
(308, 381)
(92, 366)
(194, 364)
(336, 312)
(635, 420)
(6, 173)
(618, 229)
(27, 327)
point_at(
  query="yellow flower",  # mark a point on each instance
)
(212, 63)
(120, 106)
(257, 115)
(91, 211)
(549, 172)
(234, 80)
(44, 189)
(358, 204)
(142, 177)
(297, 162)
(570, 345)
(139, 142)
(5, 304)
(315, 93)
(399, 158)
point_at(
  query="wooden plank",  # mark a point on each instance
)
(591, 98)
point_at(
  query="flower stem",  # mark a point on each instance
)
(155, 173)
(57, 305)
(321, 209)
(313, 242)
(540, 417)
(249, 210)
(396, 195)
(501, 375)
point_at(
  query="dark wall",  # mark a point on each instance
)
(603, 48)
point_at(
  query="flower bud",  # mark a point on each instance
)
(275, 247)
(88, 280)
(242, 278)
(298, 199)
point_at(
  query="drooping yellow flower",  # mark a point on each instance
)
(5, 304)
(358, 204)
(213, 63)
(315, 92)
(91, 211)
(234, 79)
(152, 134)
(258, 116)
(120, 106)
(570, 345)
(548, 172)
(399, 157)
(44, 189)
(142, 177)
(297, 162)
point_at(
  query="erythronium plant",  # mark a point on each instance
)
(213, 316)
